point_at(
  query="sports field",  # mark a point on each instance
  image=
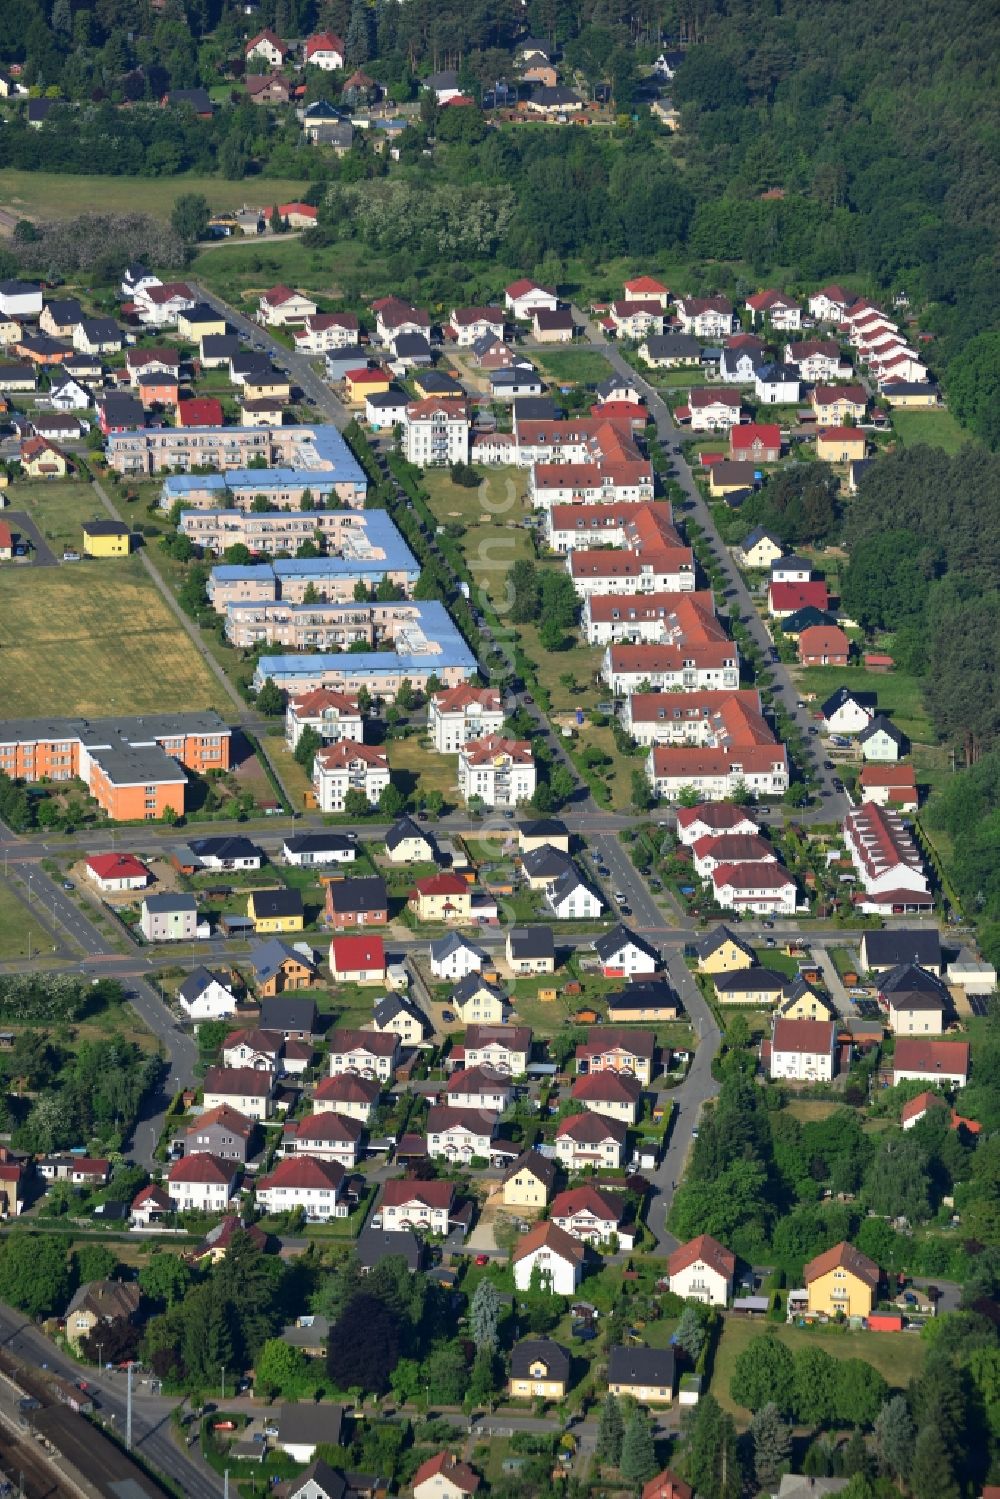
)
(55, 195)
(95, 637)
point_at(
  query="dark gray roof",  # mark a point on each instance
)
(199, 980)
(555, 1358)
(374, 1245)
(803, 618)
(608, 943)
(318, 843)
(535, 409)
(65, 310)
(903, 945)
(755, 979)
(363, 893)
(912, 980)
(269, 904)
(793, 561)
(318, 1476)
(881, 724)
(546, 862)
(436, 383)
(224, 848)
(552, 95)
(102, 330)
(641, 994)
(531, 942)
(543, 827)
(267, 957)
(709, 941)
(472, 984)
(447, 78)
(411, 346)
(778, 372)
(848, 695)
(162, 904)
(641, 1366)
(219, 345)
(288, 1012)
(195, 98)
(570, 880)
(309, 1422)
(518, 374)
(541, 1166)
(443, 947)
(673, 346)
(249, 362)
(396, 1004)
(202, 313)
(122, 410)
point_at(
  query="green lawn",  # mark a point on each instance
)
(898, 1357)
(19, 931)
(575, 366)
(58, 508)
(58, 195)
(415, 768)
(292, 775)
(900, 695)
(96, 638)
(934, 425)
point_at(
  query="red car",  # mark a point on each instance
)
(482, 1259)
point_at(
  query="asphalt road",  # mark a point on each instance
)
(152, 1432)
(298, 366)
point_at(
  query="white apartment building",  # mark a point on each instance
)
(349, 766)
(462, 714)
(333, 716)
(436, 432)
(501, 772)
(803, 1050)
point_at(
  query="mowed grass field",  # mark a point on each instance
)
(898, 1356)
(19, 932)
(935, 426)
(95, 637)
(55, 195)
(59, 509)
(580, 366)
(900, 695)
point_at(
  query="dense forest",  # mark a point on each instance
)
(867, 129)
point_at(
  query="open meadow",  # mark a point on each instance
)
(58, 195)
(95, 637)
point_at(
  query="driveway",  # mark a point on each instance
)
(24, 529)
(834, 983)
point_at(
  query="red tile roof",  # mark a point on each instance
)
(919, 1106)
(706, 1249)
(845, 1257)
(548, 1236)
(203, 411)
(808, 1036)
(399, 1193)
(607, 1087)
(449, 1468)
(202, 1167)
(304, 1172)
(117, 866)
(347, 1087)
(352, 954)
(586, 1199)
(591, 1128)
(943, 1057)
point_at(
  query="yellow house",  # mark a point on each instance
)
(40, 460)
(647, 1374)
(910, 393)
(542, 831)
(442, 897)
(840, 445)
(362, 383)
(200, 327)
(426, 392)
(271, 387)
(726, 477)
(106, 538)
(539, 1370)
(273, 911)
(719, 951)
(805, 1003)
(841, 1279)
(477, 1002)
(529, 1181)
(760, 550)
(750, 986)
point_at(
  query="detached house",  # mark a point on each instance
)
(356, 902)
(347, 1094)
(306, 1182)
(365, 1053)
(571, 898)
(843, 1281)
(442, 897)
(202, 1183)
(587, 1213)
(557, 1256)
(476, 1000)
(524, 297)
(444, 1477)
(703, 1270)
(327, 1137)
(944, 1062)
(479, 1088)
(500, 772)
(608, 1049)
(207, 996)
(530, 950)
(455, 957)
(416, 1205)
(281, 306)
(467, 324)
(706, 317)
(712, 409)
(803, 1050)
(623, 954)
(502, 1048)
(756, 442)
(591, 1141)
(616, 1095)
(246, 1089)
(781, 311)
(267, 47)
(324, 50)
(529, 1181)
(459, 1135)
(463, 713)
(358, 960)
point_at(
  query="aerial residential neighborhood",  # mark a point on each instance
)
(498, 752)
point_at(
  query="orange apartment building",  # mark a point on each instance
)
(133, 767)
